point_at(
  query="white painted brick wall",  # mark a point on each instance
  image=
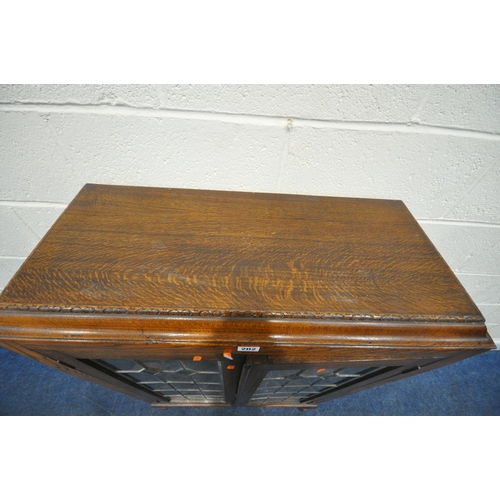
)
(436, 147)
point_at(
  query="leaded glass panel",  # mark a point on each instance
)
(292, 386)
(181, 381)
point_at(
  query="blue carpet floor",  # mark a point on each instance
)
(470, 387)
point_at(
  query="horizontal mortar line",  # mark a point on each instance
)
(105, 109)
(9, 257)
(32, 204)
(446, 222)
(405, 128)
(263, 120)
(458, 273)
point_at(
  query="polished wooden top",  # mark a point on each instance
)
(182, 252)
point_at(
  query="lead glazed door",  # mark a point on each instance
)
(304, 385)
(166, 379)
(194, 380)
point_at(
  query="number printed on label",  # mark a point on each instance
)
(248, 349)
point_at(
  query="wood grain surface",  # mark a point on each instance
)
(180, 252)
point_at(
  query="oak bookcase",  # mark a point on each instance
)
(186, 297)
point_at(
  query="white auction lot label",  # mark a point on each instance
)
(242, 348)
